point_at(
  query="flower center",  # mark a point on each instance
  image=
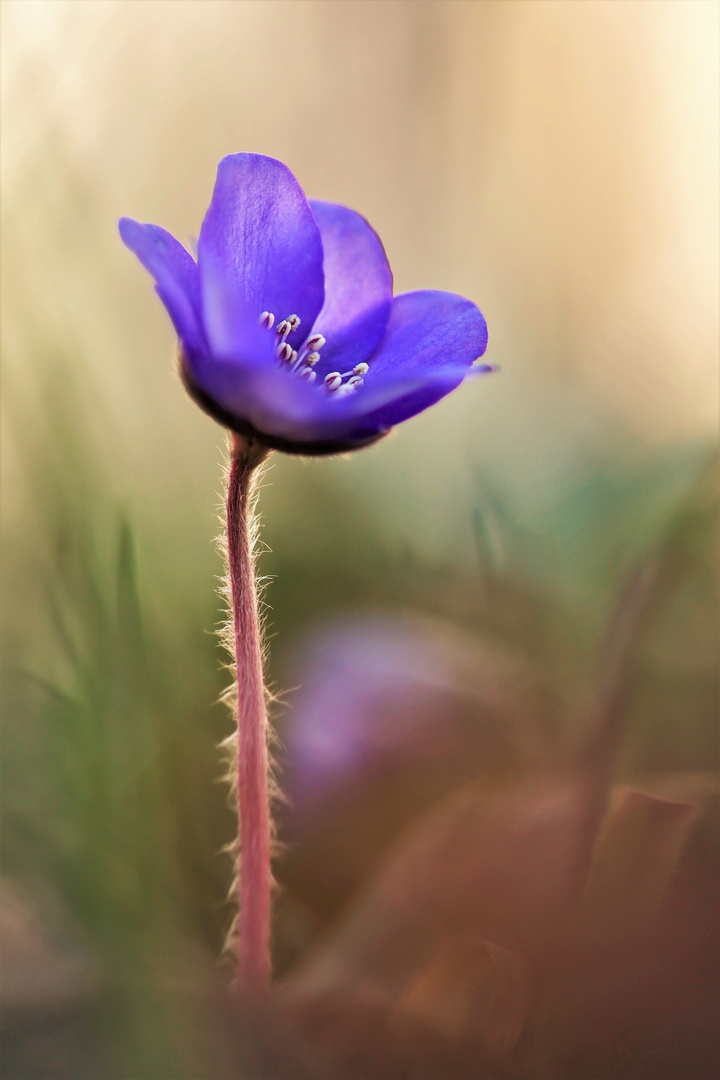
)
(302, 364)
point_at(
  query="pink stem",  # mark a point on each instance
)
(255, 877)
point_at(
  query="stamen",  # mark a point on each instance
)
(267, 319)
(333, 380)
(306, 358)
(359, 369)
(304, 363)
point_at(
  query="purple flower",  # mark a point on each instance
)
(289, 332)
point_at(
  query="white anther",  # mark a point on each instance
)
(294, 321)
(283, 328)
(312, 358)
(308, 375)
(356, 380)
(315, 341)
(343, 391)
(333, 380)
(267, 319)
(285, 352)
(361, 369)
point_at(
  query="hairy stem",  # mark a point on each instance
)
(254, 879)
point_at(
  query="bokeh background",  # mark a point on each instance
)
(554, 160)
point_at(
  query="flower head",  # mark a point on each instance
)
(289, 332)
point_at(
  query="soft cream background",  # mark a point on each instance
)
(555, 160)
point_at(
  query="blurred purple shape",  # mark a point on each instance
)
(385, 690)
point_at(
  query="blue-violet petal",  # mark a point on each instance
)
(259, 250)
(358, 288)
(176, 277)
(431, 342)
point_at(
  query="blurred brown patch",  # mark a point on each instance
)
(474, 929)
